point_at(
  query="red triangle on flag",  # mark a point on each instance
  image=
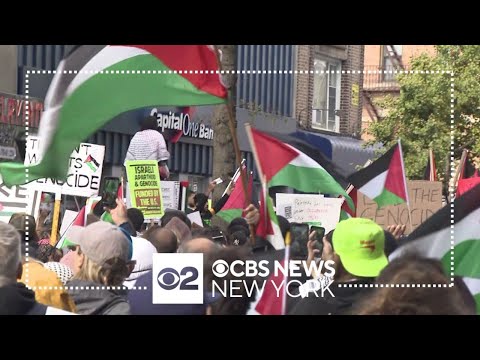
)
(267, 145)
(395, 181)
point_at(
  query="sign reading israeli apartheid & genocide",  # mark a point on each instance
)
(425, 200)
(84, 173)
(144, 187)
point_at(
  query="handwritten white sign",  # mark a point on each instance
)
(310, 208)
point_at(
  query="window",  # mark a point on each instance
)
(326, 95)
(389, 62)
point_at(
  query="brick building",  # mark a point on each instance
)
(328, 100)
(377, 84)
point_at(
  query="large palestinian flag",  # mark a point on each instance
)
(284, 165)
(384, 180)
(93, 84)
(433, 239)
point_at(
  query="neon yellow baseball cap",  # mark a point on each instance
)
(360, 244)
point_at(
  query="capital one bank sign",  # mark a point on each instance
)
(182, 122)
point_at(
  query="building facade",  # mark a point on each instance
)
(380, 63)
(316, 98)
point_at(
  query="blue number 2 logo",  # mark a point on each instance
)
(169, 278)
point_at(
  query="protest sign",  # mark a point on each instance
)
(144, 187)
(310, 208)
(18, 199)
(170, 194)
(425, 200)
(195, 218)
(84, 174)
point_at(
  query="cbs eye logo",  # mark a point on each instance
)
(177, 279)
(169, 278)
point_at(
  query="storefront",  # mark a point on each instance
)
(13, 116)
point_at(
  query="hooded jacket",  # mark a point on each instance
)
(341, 304)
(97, 302)
(17, 299)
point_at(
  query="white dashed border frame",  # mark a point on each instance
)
(264, 72)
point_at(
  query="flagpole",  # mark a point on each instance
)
(238, 156)
(56, 218)
(288, 241)
(233, 178)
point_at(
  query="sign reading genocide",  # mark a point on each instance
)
(17, 199)
(309, 208)
(84, 174)
(425, 200)
(144, 186)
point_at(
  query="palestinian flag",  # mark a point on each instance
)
(433, 239)
(79, 221)
(383, 181)
(92, 163)
(236, 202)
(284, 165)
(345, 211)
(431, 169)
(268, 227)
(95, 83)
(467, 169)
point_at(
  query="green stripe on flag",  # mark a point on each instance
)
(388, 198)
(101, 98)
(230, 214)
(466, 259)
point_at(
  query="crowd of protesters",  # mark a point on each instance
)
(108, 270)
(108, 267)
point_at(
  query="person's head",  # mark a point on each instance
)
(170, 214)
(284, 225)
(10, 257)
(190, 198)
(103, 253)
(149, 123)
(136, 218)
(47, 252)
(237, 223)
(237, 299)
(23, 222)
(415, 300)
(238, 238)
(201, 198)
(198, 245)
(180, 229)
(164, 240)
(213, 233)
(359, 246)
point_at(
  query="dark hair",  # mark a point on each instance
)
(329, 238)
(414, 270)
(200, 197)
(390, 243)
(91, 218)
(167, 244)
(237, 228)
(44, 252)
(136, 218)
(149, 123)
(170, 214)
(237, 300)
(213, 233)
(238, 238)
(236, 223)
(284, 225)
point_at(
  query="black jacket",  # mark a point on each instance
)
(341, 304)
(17, 299)
(216, 207)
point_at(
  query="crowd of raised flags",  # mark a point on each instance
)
(443, 251)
